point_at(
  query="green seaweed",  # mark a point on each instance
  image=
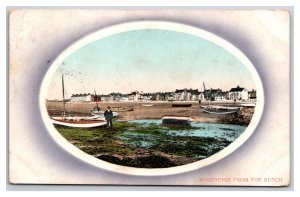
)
(123, 144)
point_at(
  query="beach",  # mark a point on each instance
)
(139, 139)
(153, 110)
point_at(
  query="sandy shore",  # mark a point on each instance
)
(140, 111)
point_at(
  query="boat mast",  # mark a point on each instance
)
(96, 98)
(205, 90)
(63, 90)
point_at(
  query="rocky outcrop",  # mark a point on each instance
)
(243, 117)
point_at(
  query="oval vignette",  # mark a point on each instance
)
(120, 46)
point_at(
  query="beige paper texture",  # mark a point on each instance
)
(37, 37)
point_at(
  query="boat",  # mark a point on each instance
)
(177, 120)
(222, 110)
(247, 104)
(121, 109)
(79, 122)
(181, 105)
(97, 112)
(148, 105)
(217, 109)
(76, 121)
(100, 114)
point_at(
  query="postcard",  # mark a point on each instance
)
(149, 97)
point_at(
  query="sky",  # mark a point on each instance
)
(149, 61)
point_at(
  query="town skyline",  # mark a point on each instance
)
(149, 60)
(144, 92)
(217, 92)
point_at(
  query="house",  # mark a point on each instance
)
(134, 96)
(159, 96)
(238, 93)
(147, 97)
(104, 98)
(187, 95)
(179, 95)
(115, 97)
(195, 95)
(169, 96)
(124, 98)
(201, 96)
(222, 96)
(81, 98)
(212, 94)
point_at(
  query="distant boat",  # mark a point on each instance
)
(177, 120)
(222, 110)
(148, 105)
(79, 121)
(181, 105)
(100, 114)
(121, 109)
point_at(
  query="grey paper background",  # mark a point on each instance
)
(36, 37)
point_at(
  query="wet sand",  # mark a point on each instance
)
(140, 111)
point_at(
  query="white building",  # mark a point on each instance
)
(222, 96)
(238, 93)
(187, 95)
(201, 96)
(124, 98)
(81, 98)
(104, 98)
(134, 96)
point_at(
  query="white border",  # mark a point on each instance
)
(151, 25)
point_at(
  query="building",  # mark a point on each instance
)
(147, 96)
(201, 96)
(104, 98)
(179, 95)
(115, 97)
(238, 93)
(195, 95)
(81, 98)
(187, 95)
(213, 94)
(134, 96)
(124, 98)
(95, 98)
(252, 95)
(159, 96)
(169, 96)
(222, 96)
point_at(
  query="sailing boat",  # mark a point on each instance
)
(76, 121)
(215, 109)
(96, 110)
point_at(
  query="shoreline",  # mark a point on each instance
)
(157, 111)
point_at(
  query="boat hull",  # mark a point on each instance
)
(181, 105)
(79, 122)
(177, 120)
(220, 111)
(148, 105)
(248, 105)
(100, 114)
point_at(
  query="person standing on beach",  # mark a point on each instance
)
(108, 114)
